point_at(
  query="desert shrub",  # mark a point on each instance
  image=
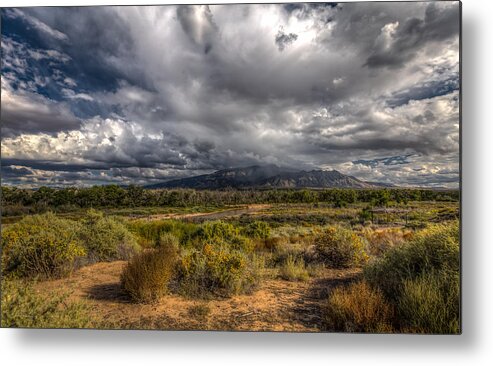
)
(272, 243)
(216, 270)
(315, 269)
(379, 241)
(358, 308)
(294, 270)
(168, 240)
(148, 232)
(41, 245)
(430, 304)
(146, 277)
(257, 230)
(435, 249)
(217, 230)
(364, 214)
(22, 307)
(223, 233)
(242, 243)
(106, 238)
(283, 252)
(340, 248)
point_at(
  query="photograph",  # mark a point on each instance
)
(269, 167)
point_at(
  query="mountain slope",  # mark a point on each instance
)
(315, 179)
(235, 177)
(269, 176)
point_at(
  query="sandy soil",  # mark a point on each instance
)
(277, 305)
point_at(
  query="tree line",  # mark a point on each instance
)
(114, 196)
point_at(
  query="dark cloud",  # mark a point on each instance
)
(139, 94)
(197, 22)
(439, 24)
(99, 41)
(426, 90)
(283, 40)
(30, 113)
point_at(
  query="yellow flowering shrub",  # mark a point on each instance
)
(340, 248)
(43, 246)
(216, 269)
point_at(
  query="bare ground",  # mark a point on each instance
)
(246, 210)
(276, 305)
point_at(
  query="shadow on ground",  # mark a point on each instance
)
(110, 292)
(308, 310)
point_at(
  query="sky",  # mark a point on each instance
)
(139, 95)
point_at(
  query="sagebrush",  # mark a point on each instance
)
(23, 307)
(146, 277)
(106, 239)
(43, 246)
(339, 247)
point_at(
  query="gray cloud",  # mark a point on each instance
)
(174, 91)
(439, 24)
(197, 22)
(37, 24)
(32, 113)
(283, 40)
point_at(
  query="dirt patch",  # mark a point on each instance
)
(200, 216)
(277, 305)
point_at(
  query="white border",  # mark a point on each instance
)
(474, 347)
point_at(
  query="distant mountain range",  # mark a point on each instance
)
(269, 176)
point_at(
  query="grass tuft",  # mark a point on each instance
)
(147, 275)
(358, 308)
(294, 270)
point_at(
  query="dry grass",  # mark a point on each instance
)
(358, 308)
(294, 270)
(381, 240)
(146, 277)
(199, 312)
(431, 304)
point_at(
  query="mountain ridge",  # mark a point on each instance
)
(269, 176)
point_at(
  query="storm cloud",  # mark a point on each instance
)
(144, 94)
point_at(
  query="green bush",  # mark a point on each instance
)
(241, 243)
(431, 304)
(216, 270)
(41, 245)
(148, 232)
(257, 230)
(146, 277)
(168, 240)
(217, 230)
(294, 270)
(340, 248)
(22, 307)
(435, 249)
(106, 238)
(223, 233)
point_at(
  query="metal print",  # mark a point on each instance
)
(243, 167)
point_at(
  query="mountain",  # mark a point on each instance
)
(315, 179)
(268, 176)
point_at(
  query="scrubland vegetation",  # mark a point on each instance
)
(404, 271)
(413, 287)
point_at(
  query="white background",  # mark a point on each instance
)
(473, 347)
